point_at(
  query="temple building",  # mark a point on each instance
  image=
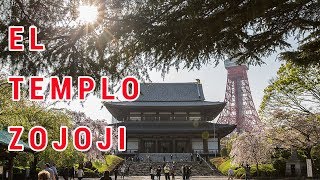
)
(171, 118)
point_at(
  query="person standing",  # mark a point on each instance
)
(122, 170)
(183, 171)
(71, 172)
(151, 170)
(230, 174)
(54, 169)
(159, 172)
(44, 175)
(52, 176)
(166, 170)
(247, 169)
(80, 173)
(188, 173)
(65, 173)
(173, 172)
(115, 172)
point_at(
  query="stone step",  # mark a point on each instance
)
(197, 169)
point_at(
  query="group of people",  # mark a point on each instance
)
(169, 171)
(50, 173)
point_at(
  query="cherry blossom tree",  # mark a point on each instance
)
(251, 148)
(97, 129)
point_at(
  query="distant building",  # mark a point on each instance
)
(171, 118)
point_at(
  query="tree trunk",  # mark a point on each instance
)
(258, 173)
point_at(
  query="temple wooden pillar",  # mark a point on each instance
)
(157, 146)
(205, 146)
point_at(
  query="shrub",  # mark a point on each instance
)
(279, 166)
(223, 165)
(111, 161)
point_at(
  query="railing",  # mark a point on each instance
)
(209, 165)
(163, 117)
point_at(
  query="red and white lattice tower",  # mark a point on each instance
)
(240, 109)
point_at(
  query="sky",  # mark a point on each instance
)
(213, 80)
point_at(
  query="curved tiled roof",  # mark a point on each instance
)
(5, 138)
(171, 92)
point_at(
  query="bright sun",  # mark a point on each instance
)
(88, 14)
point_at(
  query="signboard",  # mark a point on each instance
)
(309, 168)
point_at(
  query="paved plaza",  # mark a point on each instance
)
(162, 178)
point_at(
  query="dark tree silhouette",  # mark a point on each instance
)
(132, 36)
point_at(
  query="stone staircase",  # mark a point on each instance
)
(197, 168)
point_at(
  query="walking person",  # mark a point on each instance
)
(183, 172)
(230, 174)
(159, 172)
(151, 170)
(65, 173)
(122, 170)
(53, 167)
(166, 170)
(115, 172)
(71, 173)
(188, 174)
(47, 168)
(247, 169)
(173, 173)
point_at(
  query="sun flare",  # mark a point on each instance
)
(88, 14)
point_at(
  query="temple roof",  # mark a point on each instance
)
(5, 138)
(182, 127)
(157, 97)
(162, 92)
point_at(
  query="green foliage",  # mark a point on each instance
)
(223, 165)
(110, 162)
(280, 166)
(295, 88)
(29, 114)
(130, 37)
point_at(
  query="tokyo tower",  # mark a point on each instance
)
(240, 109)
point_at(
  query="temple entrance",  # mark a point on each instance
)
(165, 146)
(181, 146)
(150, 146)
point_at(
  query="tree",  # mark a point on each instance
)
(290, 129)
(291, 108)
(28, 114)
(97, 129)
(130, 37)
(294, 89)
(251, 148)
